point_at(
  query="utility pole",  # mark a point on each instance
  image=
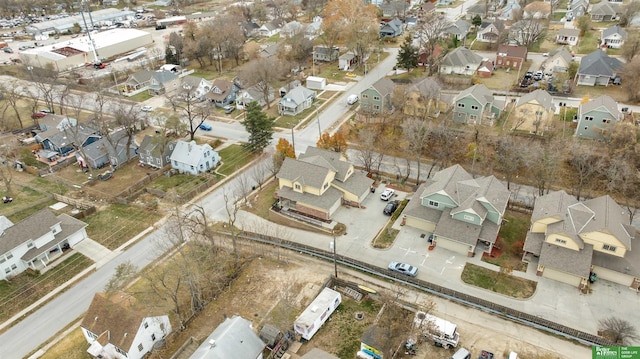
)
(335, 259)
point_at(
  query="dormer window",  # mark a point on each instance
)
(297, 186)
(561, 241)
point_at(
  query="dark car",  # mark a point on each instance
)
(161, 27)
(390, 208)
(403, 268)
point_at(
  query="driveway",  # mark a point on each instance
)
(93, 250)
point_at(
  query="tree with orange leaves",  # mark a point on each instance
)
(336, 143)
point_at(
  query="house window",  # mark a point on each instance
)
(473, 117)
(364, 95)
(14, 267)
(376, 98)
(610, 248)
(9, 256)
(461, 105)
(146, 325)
(468, 218)
(296, 186)
(2, 260)
(175, 163)
(121, 352)
(7, 270)
(30, 244)
(157, 160)
(474, 107)
(433, 203)
(604, 120)
(561, 241)
(153, 337)
(192, 167)
(588, 118)
(376, 107)
(91, 335)
(140, 347)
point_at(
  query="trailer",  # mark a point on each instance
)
(314, 316)
(442, 332)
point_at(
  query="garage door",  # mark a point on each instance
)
(613, 276)
(420, 224)
(454, 246)
(561, 277)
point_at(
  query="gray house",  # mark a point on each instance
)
(254, 93)
(390, 29)
(234, 338)
(377, 98)
(461, 61)
(459, 29)
(163, 82)
(598, 68)
(597, 117)
(326, 54)
(222, 92)
(296, 100)
(604, 11)
(576, 8)
(111, 149)
(461, 211)
(155, 151)
(475, 105)
(613, 37)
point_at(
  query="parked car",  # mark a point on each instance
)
(229, 108)
(403, 268)
(387, 194)
(352, 99)
(36, 115)
(146, 108)
(46, 110)
(538, 75)
(462, 353)
(8, 50)
(390, 208)
(161, 27)
(205, 127)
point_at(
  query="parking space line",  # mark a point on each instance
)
(408, 250)
(424, 259)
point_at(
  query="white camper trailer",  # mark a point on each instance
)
(441, 331)
(308, 323)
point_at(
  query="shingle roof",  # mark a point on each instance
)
(459, 27)
(164, 76)
(307, 173)
(153, 144)
(456, 230)
(337, 160)
(325, 202)
(480, 92)
(427, 85)
(615, 29)
(563, 53)
(542, 97)
(189, 153)
(356, 184)
(68, 226)
(194, 81)
(608, 218)
(568, 32)
(603, 8)
(384, 86)
(30, 228)
(297, 96)
(461, 56)
(602, 103)
(513, 51)
(553, 205)
(567, 260)
(598, 63)
(234, 338)
(142, 76)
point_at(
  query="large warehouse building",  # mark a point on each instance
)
(77, 52)
(104, 17)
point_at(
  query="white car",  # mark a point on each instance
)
(352, 99)
(146, 109)
(387, 194)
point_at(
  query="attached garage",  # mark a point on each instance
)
(613, 276)
(562, 277)
(458, 247)
(420, 224)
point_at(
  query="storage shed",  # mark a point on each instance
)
(316, 83)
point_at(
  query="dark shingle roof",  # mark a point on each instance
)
(325, 202)
(598, 63)
(307, 173)
(540, 96)
(567, 260)
(30, 228)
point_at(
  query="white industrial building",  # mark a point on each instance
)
(104, 17)
(77, 52)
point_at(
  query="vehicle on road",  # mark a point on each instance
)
(146, 108)
(390, 208)
(403, 268)
(352, 99)
(387, 194)
(161, 27)
(229, 108)
(8, 50)
(205, 127)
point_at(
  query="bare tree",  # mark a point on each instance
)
(618, 330)
(264, 72)
(260, 170)
(622, 178)
(585, 163)
(368, 155)
(45, 81)
(429, 33)
(444, 147)
(628, 11)
(232, 205)
(527, 32)
(8, 156)
(509, 157)
(196, 112)
(123, 274)
(542, 163)
(12, 95)
(416, 134)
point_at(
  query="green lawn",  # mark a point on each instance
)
(28, 287)
(234, 157)
(141, 97)
(509, 247)
(182, 183)
(118, 223)
(498, 282)
(588, 43)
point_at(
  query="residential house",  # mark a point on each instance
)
(254, 93)
(291, 29)
(597, 117)
(426, 8)
(509, 11)
(318, 182)
(490, 31)
(118, 327)
(571, 239)
(422, 98)
(223, 92)
(523, 31)
(234, 338)
(558, 60)
(288, 87)
(62, 135)
(537, 10)
(314, 29)
(323, 53)
(479, 9)
(458, 29)
(567, 36)
(461, 211)
(271, 28)
(36, 241)
(296, 100)
(347, 60)
(377, 98)
(194, 87)
(391, 29)
(163, 82)
(576, 8)
(189, 157)
(613, 37)
(139, 80)
(475, 105)
(444, 2)
(110, 149)
(604, 11)
(533, 112)
(269, 50)
(509, 56)
(486, 69)
(461, 61)
(598, 68)
(250, 29)
(155, 151)
(410, 22)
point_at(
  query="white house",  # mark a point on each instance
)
(613, 37)
(194, 86)
(189, 157)
(234, 338)
(117, 327)
(295, 101)
(36, 241)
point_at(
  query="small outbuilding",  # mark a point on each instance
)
(316, 83)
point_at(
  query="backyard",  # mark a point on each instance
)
(507, 251)
(498, 281)
(116, 224)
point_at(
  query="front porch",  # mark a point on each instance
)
(47, 258)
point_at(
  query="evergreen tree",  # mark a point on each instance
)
(476, 21)
(169, 56)
(408, 55)
(259, 126)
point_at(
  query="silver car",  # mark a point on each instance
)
(403, 268)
